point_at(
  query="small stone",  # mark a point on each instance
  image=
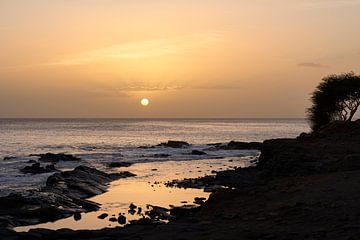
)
(122, 220)
(77, 216)
(103, 216)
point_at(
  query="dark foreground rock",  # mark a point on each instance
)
(63, 195)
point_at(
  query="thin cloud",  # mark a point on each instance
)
(142, 49)
(148, 88)
(312, 65)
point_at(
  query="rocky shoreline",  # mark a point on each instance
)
(63, 195)
(303, 188)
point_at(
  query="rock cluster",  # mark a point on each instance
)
(63, 195)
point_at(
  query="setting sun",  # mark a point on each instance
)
(145, 102)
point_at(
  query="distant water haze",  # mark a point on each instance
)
(218, 58)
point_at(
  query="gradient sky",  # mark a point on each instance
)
(203, 58)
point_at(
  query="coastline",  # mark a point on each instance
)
(303, 188)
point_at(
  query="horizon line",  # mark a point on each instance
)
(154, 118)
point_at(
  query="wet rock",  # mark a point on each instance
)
(63, 196)
(184, 211)
(142, 221)
(77, 216)
(103, 216)
(198, 152)
(174, 144)
(7, 158)
(132, 206)
(122, 219)
(199, 200)
(37, 169)
(113, 219)
(54, 158)
(162, 155)
(132, 211)
(234, 145)
(139, 211)
(158, 213)
(119, 164)
(212, 188)
(145, 147)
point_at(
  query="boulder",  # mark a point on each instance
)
(175, 144)
(122, 219)
(54, 158)
(37, 169)
(234, 145)
(119, 164)
(198, 152)
(103, 216)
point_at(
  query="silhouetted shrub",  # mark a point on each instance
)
(337, 97)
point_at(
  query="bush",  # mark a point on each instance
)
(336, 98)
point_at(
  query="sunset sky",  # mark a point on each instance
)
(190, 58)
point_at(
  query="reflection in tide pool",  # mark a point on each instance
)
(146, 188)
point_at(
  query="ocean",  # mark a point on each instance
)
(100, 141)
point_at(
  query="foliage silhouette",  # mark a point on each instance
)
(336, 98)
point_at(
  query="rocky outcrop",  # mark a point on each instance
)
(174, 144)
(198, 152)
(234, 145)
(336, 147)
(36, 168)
(54, 158)
(63, 195)
(119, 164)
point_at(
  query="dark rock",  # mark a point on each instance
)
(132, 211)
(132, 206)
(103, 216)
(199, 200)
(7, 158)
(158, 213)
(198, 152)
(122, 219)
(233, 145)
(139, 210)
(64, 195)
(119, 164)
(77, 216)
(145, 221)
(162, 155)
(175, 144)
(184, 211)
(113, 219)
(54, 158)
(37, 169)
